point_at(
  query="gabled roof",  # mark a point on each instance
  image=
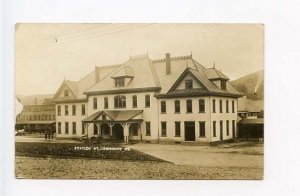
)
(126, 71)
(144, 77)
(114, 115)
(70, 85)
(213, 73)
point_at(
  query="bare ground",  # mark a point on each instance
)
(58, 168)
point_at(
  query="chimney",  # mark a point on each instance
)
(168, 63)
(35, 101)
(97, 74)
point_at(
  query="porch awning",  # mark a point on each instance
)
(245, 121)
(115, 116)
(34, 122)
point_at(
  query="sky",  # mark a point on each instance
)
(46, 54)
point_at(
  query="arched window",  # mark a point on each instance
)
(120, 101)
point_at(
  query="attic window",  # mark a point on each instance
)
(119, 82)
(66, 93)
(188, 84)
(223, 84)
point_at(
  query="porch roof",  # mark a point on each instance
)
(115, 116)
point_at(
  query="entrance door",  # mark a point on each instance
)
(189, 131)
(117, 132)
(221, 130)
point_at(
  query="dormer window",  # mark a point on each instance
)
(66, 93)
(223, 84)
(119, 82)
(188, 84)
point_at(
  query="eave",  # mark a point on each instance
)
(123, 91)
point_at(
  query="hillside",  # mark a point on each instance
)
(252, 85)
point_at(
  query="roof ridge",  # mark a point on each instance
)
(174, 58)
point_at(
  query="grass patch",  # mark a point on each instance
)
(95, 151)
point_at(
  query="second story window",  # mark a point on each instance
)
(73, 110)
(147, 101)
(221, 106)
(58, 110)
(214, 106)
(227, 106)
(134, 101)
(177, 106)
(119, 82)
(66, 110)
(105, 102)
(233, 107)
(201, 105)
(82, 109)
(163, 106)
(95, 103)
(189, 106)
(188, 84)
(120, 101)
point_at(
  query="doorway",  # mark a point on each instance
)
(189, 131)
(117, 132)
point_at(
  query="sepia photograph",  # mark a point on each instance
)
(139, 101)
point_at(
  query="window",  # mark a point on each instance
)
(227, 106)
(214, 129)
(95, 129)
(82, 109)
(66, 93)
(119, 82)
(227, 127)
(120, 101)
(134, 101)
(177, 106)
(58, 110)
(147, 101)
(233, 128)
(221, 106)
(189, 106)
(201, 129)
(188, 84)
(233, 107)
(95, 103)
(74, 127)
(59, 128)
(66, 110)
(221, 129)
(177, 129)
(163, 106)
(82, 128)
(66, 127)
(104, 117)
(214, 106)
(163, 129)
(133, 129)
(105, 102)
(73, 110)
(201, 105)
(148, 128)
(223, 84)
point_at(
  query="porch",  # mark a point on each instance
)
(116, 125)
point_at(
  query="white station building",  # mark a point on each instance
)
(174, 99)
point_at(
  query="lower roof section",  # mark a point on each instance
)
(115, 116)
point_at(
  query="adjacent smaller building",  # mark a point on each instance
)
(37, 117)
